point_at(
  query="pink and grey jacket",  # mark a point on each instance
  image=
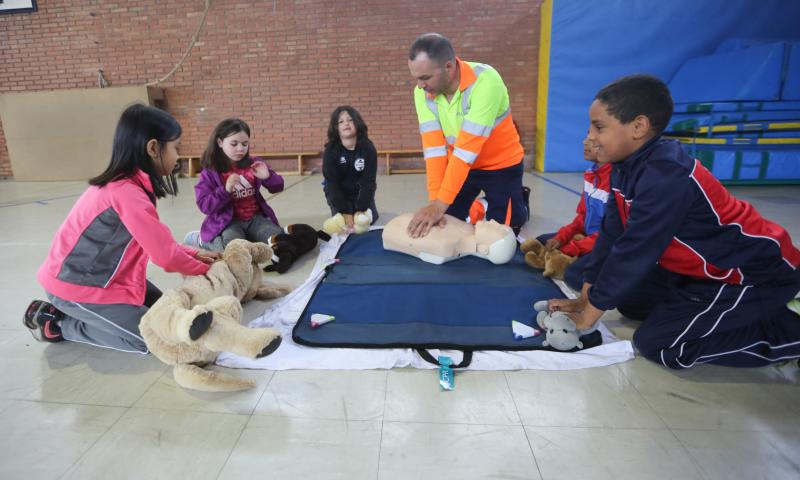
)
(100, 252)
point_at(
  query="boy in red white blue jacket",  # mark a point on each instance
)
(588, 218)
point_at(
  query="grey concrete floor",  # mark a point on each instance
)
(73, 411)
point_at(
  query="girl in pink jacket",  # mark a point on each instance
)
(94, 275)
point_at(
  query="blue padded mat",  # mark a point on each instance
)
(384, 299)
(690, 121)
(750, 74)
(707, 107)
(791, 84)
(753, 164)
(726, 128)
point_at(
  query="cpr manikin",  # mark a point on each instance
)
(490, 240)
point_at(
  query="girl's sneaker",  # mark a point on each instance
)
(42, 319)
(192, 239)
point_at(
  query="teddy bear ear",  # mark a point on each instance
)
(541, 319)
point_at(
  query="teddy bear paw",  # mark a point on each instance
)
(200, 325)
(270, 348)
(532, 245)
(533, 260)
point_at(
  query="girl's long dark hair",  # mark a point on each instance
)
(333, 126)
(138, 125)
(213, 157)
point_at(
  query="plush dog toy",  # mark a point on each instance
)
(189, 325)
(336, 223)
(560, 331)
(287, 247)
(554, 262)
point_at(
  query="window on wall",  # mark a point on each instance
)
(17, 6)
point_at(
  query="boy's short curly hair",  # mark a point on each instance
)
(634, 95)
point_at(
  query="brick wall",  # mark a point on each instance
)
(5, 164)
(280, 65)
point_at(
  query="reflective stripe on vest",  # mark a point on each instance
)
(429, 126)
(476, 128)
(431, 103)
(477, 70)
(465, 155)
(433, 152)
(469, 127)
(502, 117)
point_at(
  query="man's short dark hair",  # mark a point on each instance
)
(634, 95)
(436, 46)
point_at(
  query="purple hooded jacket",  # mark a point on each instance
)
(216, 203)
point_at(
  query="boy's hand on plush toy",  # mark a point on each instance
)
(208, 257)
(587, 317)
(552, 244)
(260, 170)
(348, 220)
(566, 305)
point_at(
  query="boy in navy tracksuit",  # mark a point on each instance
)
(706, 272)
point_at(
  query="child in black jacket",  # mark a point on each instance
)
(350, 165)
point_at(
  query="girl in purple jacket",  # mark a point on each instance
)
(229, 190)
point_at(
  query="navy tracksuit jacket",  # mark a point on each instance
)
(710, 275)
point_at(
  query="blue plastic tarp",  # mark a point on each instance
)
(383, 299)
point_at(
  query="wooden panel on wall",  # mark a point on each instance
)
(65, 134)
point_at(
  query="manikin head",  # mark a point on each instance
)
(494, 241)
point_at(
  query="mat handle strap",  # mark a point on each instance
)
(465, 361)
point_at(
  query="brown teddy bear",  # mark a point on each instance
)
(189, 325)
(554, 262)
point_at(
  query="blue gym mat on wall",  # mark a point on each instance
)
(585, 45)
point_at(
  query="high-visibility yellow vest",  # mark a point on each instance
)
(474, 130)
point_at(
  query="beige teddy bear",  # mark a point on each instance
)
(189, 325)
(336, 224)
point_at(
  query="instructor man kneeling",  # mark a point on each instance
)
(469, 139)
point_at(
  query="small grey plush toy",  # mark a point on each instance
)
(560, 331)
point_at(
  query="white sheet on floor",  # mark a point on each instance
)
(283, 315)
